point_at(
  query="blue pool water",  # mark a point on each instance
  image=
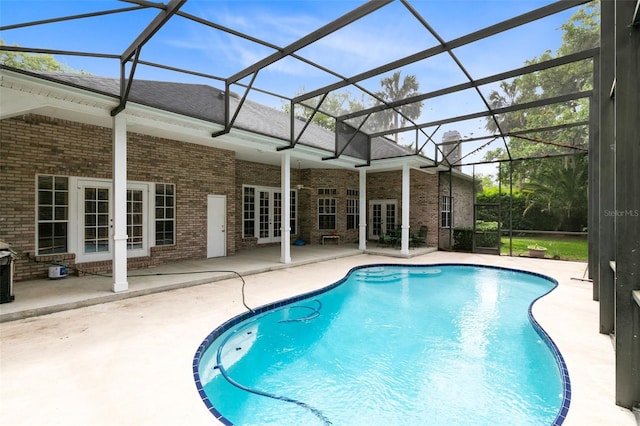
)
(389, 344)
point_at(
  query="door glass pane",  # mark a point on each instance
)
(293, 210)
(103, 219)
(96, 220)
(376, 219)
(391, 217)
(134, 219)
(277, 214)
(90, 233)
(264, 214)
(248, 207)
(103, 207)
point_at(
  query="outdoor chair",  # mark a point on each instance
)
(391, 238)
(383, 239)
(420, 238)
(396, 237)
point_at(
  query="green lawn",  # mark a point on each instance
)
(565, 248)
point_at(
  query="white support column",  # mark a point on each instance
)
(119, 261)
(362, 237)
(406, 174)
(285, 182)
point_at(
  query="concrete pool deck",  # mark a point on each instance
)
(128, 361)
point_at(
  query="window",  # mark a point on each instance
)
(134, 219)
(327, 191)
(53, 214)
(292, 209)
(165, 214)
(96, 219)
(353, 208)
(445, 212)
(326, 209)
(277, 214)
(249, 212)
(264, 214)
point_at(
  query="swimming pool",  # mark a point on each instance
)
(391, 344)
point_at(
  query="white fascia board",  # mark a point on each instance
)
(24, 94)
(414, 162)
(462, 175)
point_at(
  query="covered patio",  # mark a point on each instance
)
(45, 296)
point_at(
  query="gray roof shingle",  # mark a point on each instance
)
(207, 103)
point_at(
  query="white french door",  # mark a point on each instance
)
(137, 219)
(269, 215)
(382, 218)
(95, 220)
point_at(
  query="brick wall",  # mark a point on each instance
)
(314, 179)
(424, 204)
(250, 173)
(32, 144)
(422, 194)
(462, 192)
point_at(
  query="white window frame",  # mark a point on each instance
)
(75, 217)
(54, 205)
(293, 212)
(154, 220)
(256, 210)
(353, 207)
(446, 204)
(326, 197)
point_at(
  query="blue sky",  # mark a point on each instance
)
(388, 34)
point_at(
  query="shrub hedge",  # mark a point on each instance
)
(535, 219)
(486, 236)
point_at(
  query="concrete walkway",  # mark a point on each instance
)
(128, 361)
(44, 296)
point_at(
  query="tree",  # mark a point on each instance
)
(509, 96)
(580, 32)
(33, 61)
(484, 182)
(561, 190)
(395, 91)
(335, 104)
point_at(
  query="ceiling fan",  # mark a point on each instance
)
(300, 186)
